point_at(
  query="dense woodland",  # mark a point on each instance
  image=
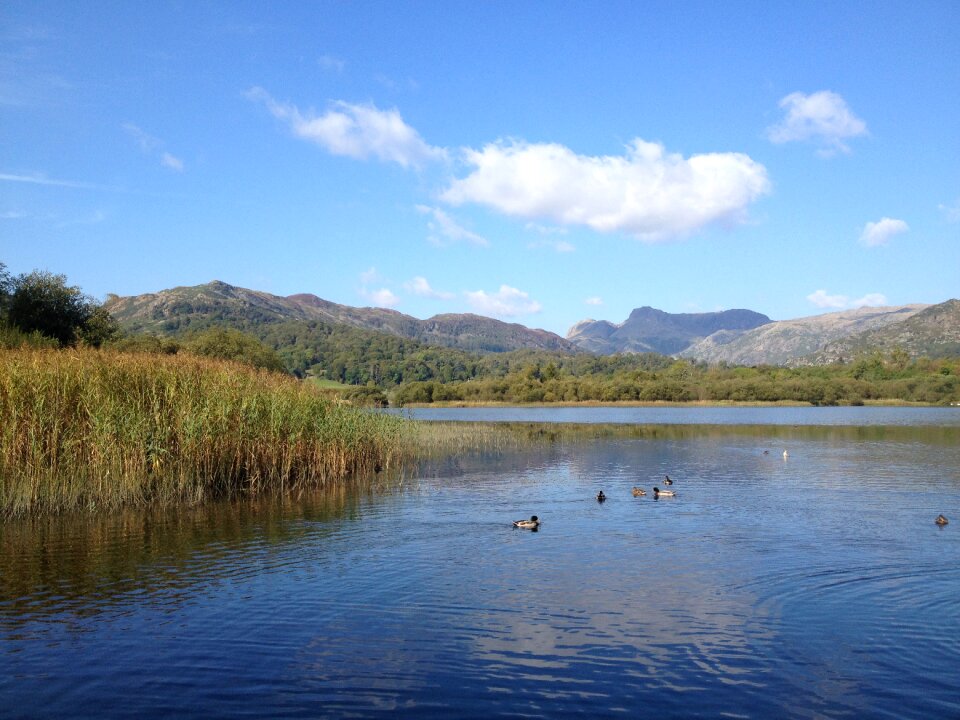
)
(40, 308)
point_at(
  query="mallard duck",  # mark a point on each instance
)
(601, 497)
(941, 520)
(657, 492)
(533, 522)
(667, 480)
(638, 492)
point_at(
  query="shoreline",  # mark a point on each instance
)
(658, 404)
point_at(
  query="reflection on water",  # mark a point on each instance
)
(695, 415)
(816, 586)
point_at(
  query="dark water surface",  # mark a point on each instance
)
(816, 586)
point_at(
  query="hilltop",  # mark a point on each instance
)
(183, 308)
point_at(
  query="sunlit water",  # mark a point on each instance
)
(812, 586)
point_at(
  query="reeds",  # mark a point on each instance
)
(82, 429)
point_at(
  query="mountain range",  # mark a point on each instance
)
(177, 309)
(739, 337)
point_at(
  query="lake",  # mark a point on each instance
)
(811, 586)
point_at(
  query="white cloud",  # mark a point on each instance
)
(506, 302)
(357, 131)
(40, 179)
(370, 276)
(420, 286)
(381, 297)
(880, 232)
(172, 162)
(445, 230)
(870, 300)
(823, 117)
(648, 193)
(150, 145)
(822, 299)
(595, 300)
(951, 212)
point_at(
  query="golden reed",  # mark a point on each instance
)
(88, 429)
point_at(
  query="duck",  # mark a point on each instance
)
(667, 480)
(638, 492)
(657, 492)
(532, 523)
(941, 520)
(601, 497)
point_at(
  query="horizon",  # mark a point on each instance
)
(539, 164)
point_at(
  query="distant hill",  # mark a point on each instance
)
(785, 342)
(179, 309)
(651, 330)
(933, 331)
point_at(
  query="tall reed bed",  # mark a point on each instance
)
(90, 429)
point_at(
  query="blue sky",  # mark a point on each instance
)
(537, 162)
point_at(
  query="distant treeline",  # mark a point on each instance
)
(876, 377)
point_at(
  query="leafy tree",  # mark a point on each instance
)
(6, 284)
(43, 302)
(229, 344)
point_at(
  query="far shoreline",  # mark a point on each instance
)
(660, 404)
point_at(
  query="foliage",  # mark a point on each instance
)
(657, 379)
(43, 302)
(228, 344)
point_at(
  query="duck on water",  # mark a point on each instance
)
(532, 524)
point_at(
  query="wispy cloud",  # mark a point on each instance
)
(369, 276)
(879, 233)
(153, 146)
(951, 212)
(506, 302)
(822, 117)
(378, 297)
(357, 131)
(171, 161)
(419, 286)
(560, 246)
(595, 300)
(823, 299)
(40, 179)
(331, 63)
(444, 230)
(648, 193)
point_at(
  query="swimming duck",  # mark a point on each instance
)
(638, 492)
(667, 480)
(533, 522)
(941, 520)
(657, 492)
(601, 497)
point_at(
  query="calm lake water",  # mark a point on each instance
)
(816, 586)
